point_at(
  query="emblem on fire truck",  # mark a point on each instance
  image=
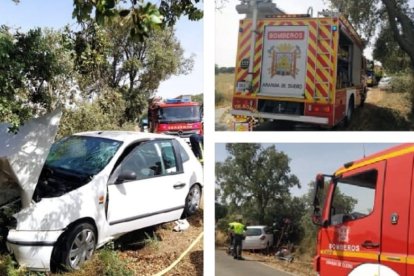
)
(284, 60)
(342, 234)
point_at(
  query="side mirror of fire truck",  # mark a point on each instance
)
(319, 186)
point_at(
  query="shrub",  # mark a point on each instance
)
(402, 83)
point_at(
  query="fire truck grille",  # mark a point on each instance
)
(182, 133)
(280, 107)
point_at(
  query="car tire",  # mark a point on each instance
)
(77, 246)
(192, 201)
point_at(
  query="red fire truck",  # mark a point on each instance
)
(365, 217)
(298, 68)
(181, 117)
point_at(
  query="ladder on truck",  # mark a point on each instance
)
(320, 83)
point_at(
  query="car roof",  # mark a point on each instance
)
(124, 136)
(257, 226)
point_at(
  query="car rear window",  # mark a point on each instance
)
(253, 232)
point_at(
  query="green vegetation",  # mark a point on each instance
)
(101, 78)
(254, 182)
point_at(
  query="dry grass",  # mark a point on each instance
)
(384, 111)
(221, 238)
(224, 89)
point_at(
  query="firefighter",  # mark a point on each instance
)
(238, 229)
(197, 142)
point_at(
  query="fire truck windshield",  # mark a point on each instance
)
(180, 114)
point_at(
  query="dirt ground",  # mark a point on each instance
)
(383, 110)
(164, 247)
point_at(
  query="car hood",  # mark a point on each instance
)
(23, 155)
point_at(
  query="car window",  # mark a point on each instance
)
(149, 159)
(253, 232)
(184, 155)
(268, 230)
(82, 154)
(168, 156)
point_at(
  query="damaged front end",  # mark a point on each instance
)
(22, 157)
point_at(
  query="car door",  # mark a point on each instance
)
(353, 233)
(146, 188)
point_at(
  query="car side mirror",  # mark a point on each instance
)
(126, 175)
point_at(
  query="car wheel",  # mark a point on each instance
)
(192, 202)
(77, 246)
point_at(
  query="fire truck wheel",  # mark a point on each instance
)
(350, 111)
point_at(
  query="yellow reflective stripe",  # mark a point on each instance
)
(362, 255)
(410, 259)
(376, 159)
(384, 257)
(393, 258)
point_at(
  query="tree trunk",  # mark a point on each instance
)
(402, 27)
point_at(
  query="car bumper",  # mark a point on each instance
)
(254, 246)
(32, 249)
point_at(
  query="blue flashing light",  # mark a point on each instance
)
(334, 28)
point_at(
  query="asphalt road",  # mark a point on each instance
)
(227, 266)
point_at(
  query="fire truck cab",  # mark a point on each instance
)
(365, 217)
(180, 117)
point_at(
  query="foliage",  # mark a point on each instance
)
(395, 14)
(254, 179)
(106, 57)
(220, 211)
(9, 267)
(152, 241)
(389, 53)
(141, 18)
(32, 68)
(223, 70)
(402, 83)
(104, 113)
(198, 98)
(106, 262)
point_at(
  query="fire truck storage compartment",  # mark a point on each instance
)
(281, 107)
(349, 62)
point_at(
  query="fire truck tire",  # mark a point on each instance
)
(350, 111)
(363, 97)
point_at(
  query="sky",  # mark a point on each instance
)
(307, 160)
(56, 14)
(227, 24)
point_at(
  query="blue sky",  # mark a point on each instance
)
(55, 14)
(307, 160)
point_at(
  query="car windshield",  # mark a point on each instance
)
(82, 154)
(180, 114)
(253, 232)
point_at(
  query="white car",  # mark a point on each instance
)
(95, 187)
(385, 83)
(258, 237)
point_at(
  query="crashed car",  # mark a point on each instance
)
(61, 202)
